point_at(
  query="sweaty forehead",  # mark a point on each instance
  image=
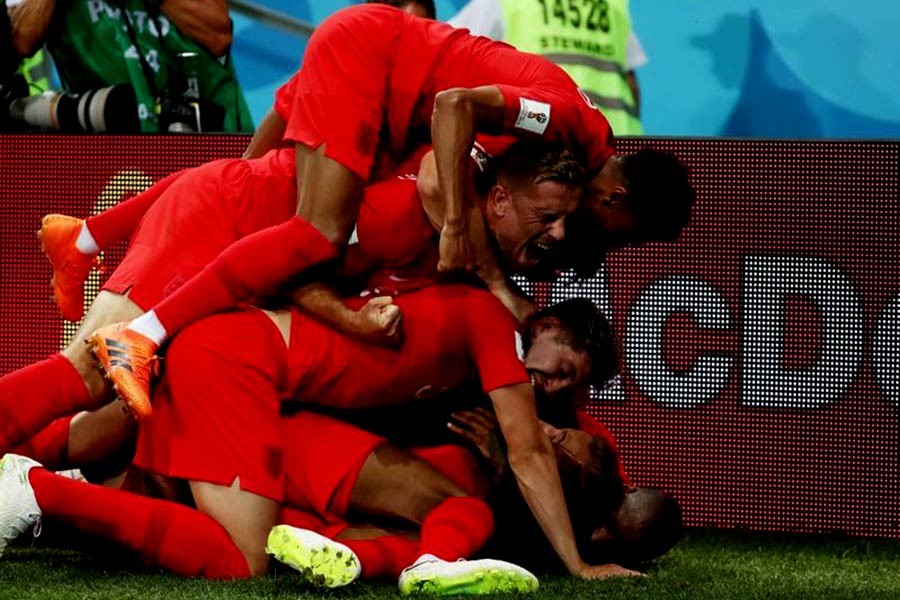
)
(550, 195)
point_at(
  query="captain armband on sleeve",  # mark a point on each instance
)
(480, 156)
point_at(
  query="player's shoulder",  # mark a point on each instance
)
(461, 292)
(475, 300)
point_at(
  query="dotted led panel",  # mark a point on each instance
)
(761, 378)
(762, 350)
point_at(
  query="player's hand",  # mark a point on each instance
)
(480, 427)
(605, 572)
(456, 250)
(378, 321)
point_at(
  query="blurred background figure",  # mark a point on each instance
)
(593, 41)
(420, 8)
(169, 61)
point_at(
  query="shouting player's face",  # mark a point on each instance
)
(528, 222)
(554, 366)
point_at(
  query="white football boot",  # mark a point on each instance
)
(18, 508)
(431, 575)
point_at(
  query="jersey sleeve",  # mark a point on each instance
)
(284, 97)
(590, 425)
(564, 114)
(493, 342)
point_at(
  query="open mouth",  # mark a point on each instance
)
(536, 251)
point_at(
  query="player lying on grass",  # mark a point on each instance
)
(644, 522)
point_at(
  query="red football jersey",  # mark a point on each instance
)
(452, 334)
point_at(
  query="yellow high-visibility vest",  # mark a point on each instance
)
(587, 38)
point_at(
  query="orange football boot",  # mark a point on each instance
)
(71, 267)
(129, 360)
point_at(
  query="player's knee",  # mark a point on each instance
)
(257, 562)
(80, 356)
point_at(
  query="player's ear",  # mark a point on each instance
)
(499, 200)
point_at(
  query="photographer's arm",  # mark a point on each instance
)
(29, 22)
(204, 21)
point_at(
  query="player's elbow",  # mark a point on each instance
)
(427, 184)
(453, 101)
(528, 451)
(217, 40)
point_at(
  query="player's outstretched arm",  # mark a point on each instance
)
(458, 114)
(532, 461)
(267, 136)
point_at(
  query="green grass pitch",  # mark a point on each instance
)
(705, 565)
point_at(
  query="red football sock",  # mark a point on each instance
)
(50, 446)
(384, 557)
(120, 221)
(457, 528)
(175, 537)
(251, 266)
(32, 397)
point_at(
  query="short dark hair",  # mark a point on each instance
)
(659, 193)
(657, 529)
(651, 528)
(428, 5)
(529, 162)
(584, 327)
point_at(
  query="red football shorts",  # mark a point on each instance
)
(340, 98)
(322, 460)
(216, 418)
(216, 410)
(200, 215)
